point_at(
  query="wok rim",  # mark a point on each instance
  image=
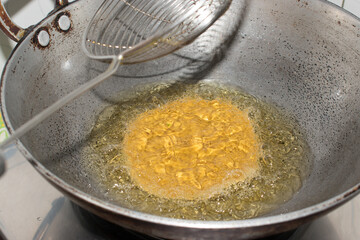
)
(67, 189)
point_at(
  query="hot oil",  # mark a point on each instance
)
(283, 163)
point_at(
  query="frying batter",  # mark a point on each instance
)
(191, 148)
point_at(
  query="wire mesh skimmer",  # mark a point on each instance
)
(134, 31)
(140, 30)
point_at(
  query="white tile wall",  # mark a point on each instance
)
(352, 6)
(337, 2)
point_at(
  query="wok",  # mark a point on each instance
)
(302, 56)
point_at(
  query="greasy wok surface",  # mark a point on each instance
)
(302, 56)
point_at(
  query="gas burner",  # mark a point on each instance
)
(106, 229)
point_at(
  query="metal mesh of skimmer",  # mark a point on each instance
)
(142, 30)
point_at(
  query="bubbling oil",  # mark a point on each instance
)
(283, 163)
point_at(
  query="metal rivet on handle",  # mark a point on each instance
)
(43, 38)
(64, 23)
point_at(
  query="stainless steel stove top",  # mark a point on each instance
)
(30, 208)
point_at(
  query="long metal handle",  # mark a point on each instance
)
(37, 119)
(12, 30)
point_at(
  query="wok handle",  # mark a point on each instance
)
(12, 30)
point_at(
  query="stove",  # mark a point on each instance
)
(30, 208)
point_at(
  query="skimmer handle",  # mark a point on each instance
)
(44, 114)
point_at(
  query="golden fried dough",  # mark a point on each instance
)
(191, 148)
